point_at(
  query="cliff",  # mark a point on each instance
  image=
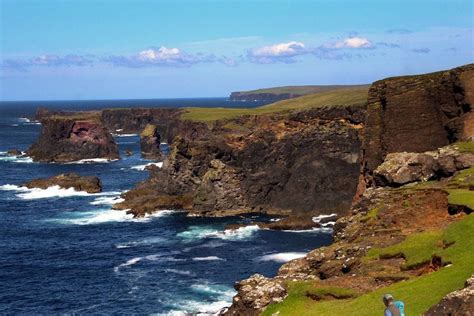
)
(417, 113)
(410, 217)
(283, 93)
(303, 162)
(72, 137)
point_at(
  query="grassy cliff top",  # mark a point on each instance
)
(301, 90)
(354, 95)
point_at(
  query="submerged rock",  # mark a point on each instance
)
(89, 184)
(459, 302)
(14, 152)
(150, 143)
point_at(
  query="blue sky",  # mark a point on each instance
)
(115, 49)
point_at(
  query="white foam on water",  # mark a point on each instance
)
(14, 125)
(201, 232)
(15, 159)
(90, 161)
(27, 121)
(130, 262)
(221, 296)
(318, 219)
(105, 200)
(180, 272)
(210, 258)
(124, 135)
(143, 242)
(107, 216)
(54, 191)
(142, 167)
(282, 256)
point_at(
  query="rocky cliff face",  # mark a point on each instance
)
(65, 139)
(417, 113)
(304, 162)
(167, 122)
(150, 143)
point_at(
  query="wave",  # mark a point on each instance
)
(102, 216)
(146, 241)
(27, 121)
(130, 262)
(282, 256)
(142, 167)
(90, 161)
(16, 159)
(210, 258)
(180, 272)
(158, 257)
(54, 191)
(107, 200)
(201, 232)
(219, 296)
(124, 135)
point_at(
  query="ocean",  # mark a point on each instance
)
(63, 251)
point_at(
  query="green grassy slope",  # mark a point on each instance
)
(330, 98)
(419, 293)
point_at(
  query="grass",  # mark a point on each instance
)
(418, 293)
(465, 147)
(148, 131)
(330, 98)
(301, 90)
(416, 249)
(461, 197)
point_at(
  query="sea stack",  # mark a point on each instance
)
(150, 142)
(67, 138)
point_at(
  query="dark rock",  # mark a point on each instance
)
(14, 152)
(69, 138)
(128, 152)
(303, 162)
(89, 184)
(150, 143)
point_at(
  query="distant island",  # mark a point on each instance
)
(287, 92)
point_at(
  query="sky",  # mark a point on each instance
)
(137, 49)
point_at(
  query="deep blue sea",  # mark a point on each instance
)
(63, 251)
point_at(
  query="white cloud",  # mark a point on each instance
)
(161, 56)
(279, 50)
(351, 42)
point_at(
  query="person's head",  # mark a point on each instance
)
(387, 299)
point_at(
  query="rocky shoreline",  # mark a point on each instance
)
(389, 169)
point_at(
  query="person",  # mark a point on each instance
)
(392, 307)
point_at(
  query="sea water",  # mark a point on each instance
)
(63, 251)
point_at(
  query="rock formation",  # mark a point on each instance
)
(417, 114)
(408, 121)
(304, 161)
(150, 142)
(69, 138)
(459, 302)
(402, 168)
(89, 184)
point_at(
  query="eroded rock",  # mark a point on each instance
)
(89, 184)
(256, 293)
(459, 302)
(150, 143)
